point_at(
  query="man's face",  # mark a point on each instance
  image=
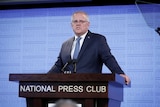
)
(80, 24)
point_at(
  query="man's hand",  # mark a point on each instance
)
(127, 79)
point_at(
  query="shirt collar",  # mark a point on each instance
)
(82, 36)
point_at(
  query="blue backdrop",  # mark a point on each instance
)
(30, 40)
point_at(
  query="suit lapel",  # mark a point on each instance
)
(86, 42)
(70, 43)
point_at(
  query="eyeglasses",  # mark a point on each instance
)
(79, 21)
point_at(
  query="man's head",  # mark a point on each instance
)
(65, 103)
(80, 23)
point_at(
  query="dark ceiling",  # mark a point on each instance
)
(23, 4)
(63, 3)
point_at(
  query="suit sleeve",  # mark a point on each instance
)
(107, 58)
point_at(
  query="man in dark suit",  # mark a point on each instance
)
(93, 51)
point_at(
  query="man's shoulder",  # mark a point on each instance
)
(96, 35)
(69, 40)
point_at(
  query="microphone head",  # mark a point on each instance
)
(74, 61)
(70, 61)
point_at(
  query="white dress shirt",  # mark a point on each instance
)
(81, 43)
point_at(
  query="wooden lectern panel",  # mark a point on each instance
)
(93, 90)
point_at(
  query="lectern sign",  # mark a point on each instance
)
(80, 89)
(63, 88)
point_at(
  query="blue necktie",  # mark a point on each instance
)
(77, 48)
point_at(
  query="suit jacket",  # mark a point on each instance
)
(94, 52)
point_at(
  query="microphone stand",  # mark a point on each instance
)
(67, 63)
(75, 65)
(64, 67)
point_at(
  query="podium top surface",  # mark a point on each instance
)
(67, 78)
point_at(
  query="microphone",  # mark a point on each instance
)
(66, 64)
(74, 61)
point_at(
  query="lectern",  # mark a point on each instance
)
(91, 90)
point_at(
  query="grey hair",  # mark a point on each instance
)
(63, 102)
(87, 17)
